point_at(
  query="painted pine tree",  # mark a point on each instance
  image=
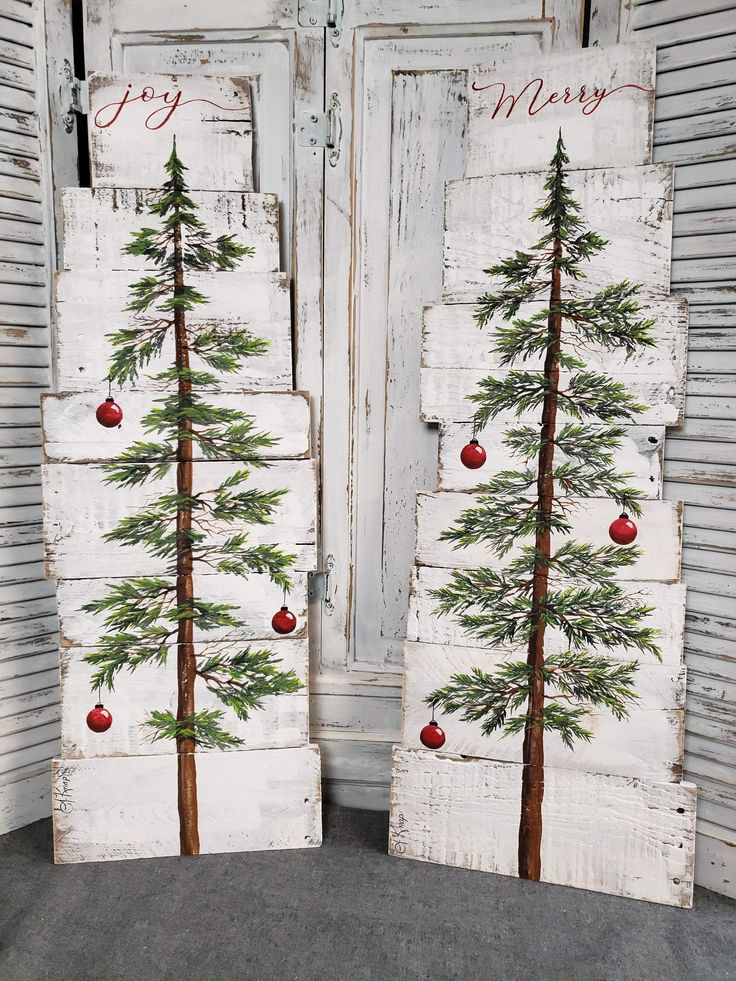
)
(189, 529)
(566, 586)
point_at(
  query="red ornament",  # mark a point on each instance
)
(622, 530)
(284, 621)
(99, 719)
(432, 736)
(109, 414)
(473, 455)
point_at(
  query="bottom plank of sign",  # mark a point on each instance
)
(126, 807)
(618, 835)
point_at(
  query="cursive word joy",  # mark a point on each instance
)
(588, 100)
(166, 105)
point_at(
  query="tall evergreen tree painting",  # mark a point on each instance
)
(189, 529)
(550, 582)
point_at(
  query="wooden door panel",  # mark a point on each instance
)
(407, 124)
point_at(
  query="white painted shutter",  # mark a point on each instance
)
(695, 120)
(29, 698)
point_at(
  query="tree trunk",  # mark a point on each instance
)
(185, 661)
(532, 780)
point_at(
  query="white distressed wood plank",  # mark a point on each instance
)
(639, 454)
(281, 721)
(125, 807)
(444, 397)
(38, 753)
(255, 599)
(130, 143)
(74, 544)
(668, 617)
(714, 863)
(451, 339)
(648, 744)
(487, 218)
(659, 535)
(90, 304)
(26, 798)
(101, 221)
(619, 835)
(72, 434)
(516, 108)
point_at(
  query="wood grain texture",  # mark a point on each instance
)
(648, 744)
(395, 453)
(659, 535)
(211, 119)
(101, 221)
(74, 545)
(619, 835)
(255, 599)
(668, 617)
(451, 339)
(71, 433)
(444, 397)
(125, 807)
(487, 218)
(90, 304)
(639, 454)
(25, 796)
(281, 721)
(512, 123)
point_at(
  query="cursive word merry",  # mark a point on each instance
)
(587, 100)
(107, 115)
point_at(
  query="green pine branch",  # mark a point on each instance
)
(141, 616)
(583, 599)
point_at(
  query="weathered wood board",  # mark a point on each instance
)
(620, 835)
(639, 454)
(73, 537)
(125, 807)
(101, 221)
(659, 535)
(668, 617)
(648, 744)
(283, 720)
(71, 433)
(91, 304)
(487, 219)
(133, 119)
(444, 393)
(255, 599)
(451, 339)
(602, 99)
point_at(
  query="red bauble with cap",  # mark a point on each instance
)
(432, 736)
(109, 414)
(623, 530)
(284, 621)
(472, 455)
(99, 719)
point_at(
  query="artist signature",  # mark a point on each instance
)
(587, 99)
(168, 103)
(397, 831)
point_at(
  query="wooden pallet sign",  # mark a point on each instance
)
(517, 106)
(544, 685)
(182, 534)
(133, 119)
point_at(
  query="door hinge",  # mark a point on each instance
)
(73, 96)
(322, 13)
(322, 129)
(321, 585)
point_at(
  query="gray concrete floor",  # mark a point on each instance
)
(344, 911)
